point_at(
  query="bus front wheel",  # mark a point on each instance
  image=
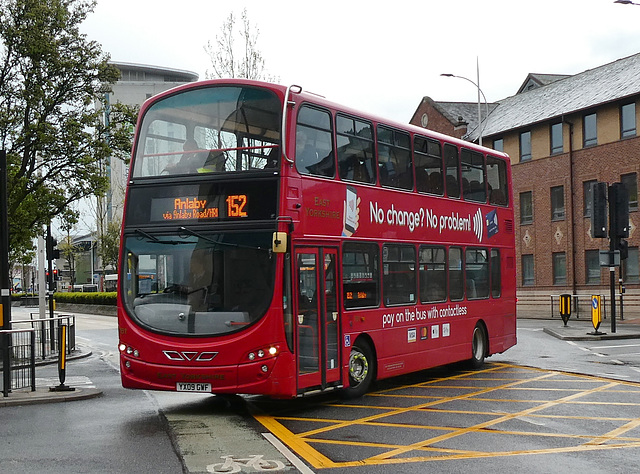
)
(362, 368)
(478, 347)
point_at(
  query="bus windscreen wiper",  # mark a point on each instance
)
(215, 242)
(156, 240)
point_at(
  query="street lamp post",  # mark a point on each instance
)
(486, 104)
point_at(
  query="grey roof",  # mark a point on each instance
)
(463, 112)
(535, 80)
(182, 74)
(608, 83)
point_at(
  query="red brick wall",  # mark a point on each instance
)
(437, 121)
(603, 163)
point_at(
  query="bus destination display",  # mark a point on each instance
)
(210, 202)
(195, 208)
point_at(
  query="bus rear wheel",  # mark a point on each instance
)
(478, 347)
(362, 368)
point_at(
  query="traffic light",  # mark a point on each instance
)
(599, 210)
(52, 252)
(619, 209)
(623, 246)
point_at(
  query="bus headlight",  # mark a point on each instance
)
(263, 353)
(128, 350)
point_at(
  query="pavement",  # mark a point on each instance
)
(82, 386)
(574, 330)
(583, 330)
(50, 390)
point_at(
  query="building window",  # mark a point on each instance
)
(630, 267)
(557, 144)
(559, 268)
(630, 182)
(525, 146)
(526, 207)
(628, 120)
(527, 270)
(557, 203)
(592, 261)
(590, 130)
(587, 193)
(498, 144)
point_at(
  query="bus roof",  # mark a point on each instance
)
(320, 100)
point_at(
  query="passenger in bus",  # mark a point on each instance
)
(192, 158)
(215, 162)
(200, 281)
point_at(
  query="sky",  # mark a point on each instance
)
(380, 57)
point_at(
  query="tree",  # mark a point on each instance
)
(50, 79)
(68, 250)
(228, 60)
(109, 245)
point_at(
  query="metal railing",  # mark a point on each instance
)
(47, 344)
(18, 359)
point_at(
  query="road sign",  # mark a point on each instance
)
(596, 315)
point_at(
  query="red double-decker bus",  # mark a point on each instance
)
(277, 243)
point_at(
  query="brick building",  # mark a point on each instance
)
(563, 133)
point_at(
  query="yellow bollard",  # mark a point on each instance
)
(596, 314)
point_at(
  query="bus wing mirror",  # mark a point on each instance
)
(279, 244)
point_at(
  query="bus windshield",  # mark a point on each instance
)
(193, 283)
(208, 130)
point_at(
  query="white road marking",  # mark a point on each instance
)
(302, 467)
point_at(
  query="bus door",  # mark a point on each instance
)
(318, 318)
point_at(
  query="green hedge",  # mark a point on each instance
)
(18, 296)
(105, 298)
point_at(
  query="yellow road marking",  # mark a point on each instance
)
(617, 432)
(512, 378)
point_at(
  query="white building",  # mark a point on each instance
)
(137, 83)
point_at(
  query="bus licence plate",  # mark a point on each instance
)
(193, 387)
